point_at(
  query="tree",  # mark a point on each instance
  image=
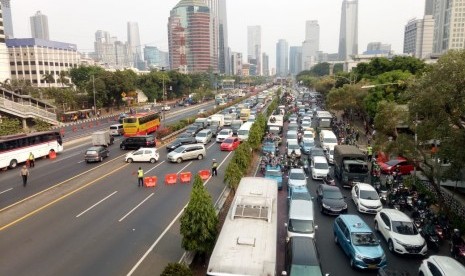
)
(199, 221)
(49, 78)
(63, 78)
(324, 84)
(10, 126)
(347, 98)
(40, 125)
(389, 117)
(233, 175)
(81, 75)
(177, 269)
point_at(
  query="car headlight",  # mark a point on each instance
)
(358, 256)
(345, 206)
(325, 206)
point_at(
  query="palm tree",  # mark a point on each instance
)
(48, 78)
(63, 78)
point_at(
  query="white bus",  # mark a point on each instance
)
(247, 242)
(15, 149)
(243, 132)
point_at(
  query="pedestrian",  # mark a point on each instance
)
(24, 174)
(369, 152)
(140, 177)
(31, 160)
(214, 167)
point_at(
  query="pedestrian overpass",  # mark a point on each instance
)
(25, 107)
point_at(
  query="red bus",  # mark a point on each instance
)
(141, 124)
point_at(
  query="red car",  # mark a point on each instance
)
(230, 143)
(390, 166)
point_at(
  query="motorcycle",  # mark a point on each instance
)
(459, 255)
(383, 194)
(432, 240)
(328, 180)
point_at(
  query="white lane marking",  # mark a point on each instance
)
(7, 190)
(214, 143)
(156, 166)
(88, 209)
(137, 206)
(184, 167)
(133, 269)
(82, 161)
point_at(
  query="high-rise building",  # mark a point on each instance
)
(282, 58)
(418, 37)
(311, 45)
(429, 7)
(348, 35)
(449, 33)
(236, 63)
(39, 26)
(155, 58)
(254, 46)
(265, 65)
(135, 48)
(295, 60)
(190, 37)
(377, 48)
(224, 53)
(4, 57)
(7, 19)
(104, 48)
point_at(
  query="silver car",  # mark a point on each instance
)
(186, 152)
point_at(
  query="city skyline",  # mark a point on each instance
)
(68, 26)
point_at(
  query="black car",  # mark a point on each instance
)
(214, 129)
(184, 140)
(301, 257)
(96, 154)
(136, 142)
(194, 129)
(330, 200)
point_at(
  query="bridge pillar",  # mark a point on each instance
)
(24, 123)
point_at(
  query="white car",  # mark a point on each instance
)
(400, 232)
(308, 136)
(366, 198)
(319, 167)
(297, 178)
(330, 155)
(165, 108)
(292, 145)
(441, 265)
(223, 134)
(143, 155)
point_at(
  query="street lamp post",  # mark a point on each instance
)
(164, 92)
(216, 82)
(93, 88)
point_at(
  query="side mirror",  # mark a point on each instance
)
(284, 273)
(285, 224)
(316, 227)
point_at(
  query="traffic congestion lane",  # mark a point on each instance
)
(91, 236)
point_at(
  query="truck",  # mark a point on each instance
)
(102, 138)
(275, 124)
(350, 165)
(245, 113)
(203, 122)
(217, 119)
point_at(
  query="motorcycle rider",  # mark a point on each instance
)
(457, 241)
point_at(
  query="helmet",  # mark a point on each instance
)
(456, 231)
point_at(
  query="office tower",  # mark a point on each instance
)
(429, 7)
(189, 37)
(216, 7)
(135, 49)
(4, 59)
(7, 19)
(265, 65)
(418, 37)
(348, 35)
(224, 55)
(39, 26)
(282, 58)
(122, 58)
(376, 48)
(449, 33)
(236, 63)
(254, 46)
(311, 45)
(104, 48)
(295, 60)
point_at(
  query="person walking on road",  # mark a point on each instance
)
(31, 160)
(369, 152)
(24, 174)
(140, 177)
(214, 167)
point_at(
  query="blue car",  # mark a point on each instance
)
(269, 147)
(274, 172)
(306, 146)
(358, 242)
(298, 192)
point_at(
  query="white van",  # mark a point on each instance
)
(328, 139)
(243, 132)
(116, 130)
(301, 220)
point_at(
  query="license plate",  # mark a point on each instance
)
(372, 266)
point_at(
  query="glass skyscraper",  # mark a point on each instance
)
(39, 26)
(348, 36)
(7, 19)
(282, 58)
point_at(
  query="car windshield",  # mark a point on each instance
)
(321, 166)
(243, 132)
(293, 127)
(224, 132)
(331, 141)
(369, 194)
(318, 152)
(404, 228)
(293, 146)
(273, 173)
(308, 144)
(179, 150)
(308, 135)
(228, 141)
(364, 239)
(297, 176)
(332, 194)
(291, 136)
(91, 152)
(301, 226)
(393, 162)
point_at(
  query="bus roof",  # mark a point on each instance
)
(138, 115)
(247, 242)
(23, 135)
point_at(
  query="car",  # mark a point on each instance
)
(306, 124)
(436, 265)
(269, 147)
(293, 148)
(275, 172)
(96, 154)
(308, 135)
(186, 152)
(223, 134)
(181, 140)
(301, 257)
(230, 143)
(293, 126)
(202, 111)
(319, 167)
(143, 155)
(330, 155)
(296, 178)
(139, 141)
(301, 219)
(292, 135)
(330, 200)
(166, 108)
(121, 117)
(358, 242)
(306, 146)
(400, 232)
(389, 167)
(365, 198)
(298, 192)
(116, 130)
(204, 136)
(194, 129)
(316, 151)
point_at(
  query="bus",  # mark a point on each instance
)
(15, 149)
(246, 244)
(244, 115)
(141, 124)
(243, 132)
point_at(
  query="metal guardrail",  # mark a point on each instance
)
(27, 111)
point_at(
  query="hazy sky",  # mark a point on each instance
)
(76, 21)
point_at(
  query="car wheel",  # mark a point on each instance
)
(129, 160)
(421, 274)
(101, 159)
(123, 147)
(152, 160)
(179, 160)
(391, 246)
(200, 157)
